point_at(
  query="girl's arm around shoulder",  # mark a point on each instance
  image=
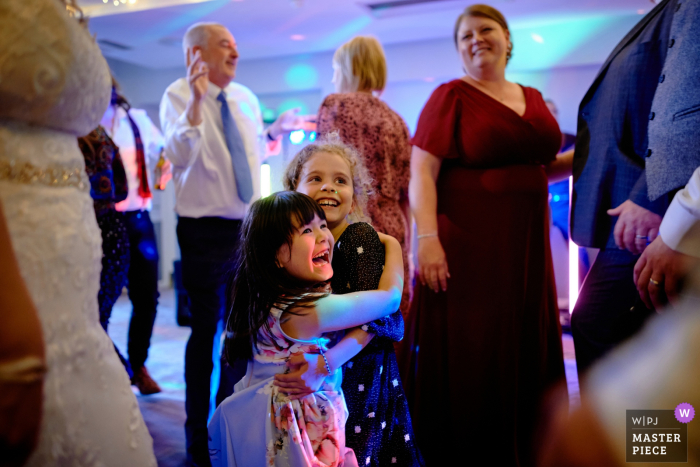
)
(336, 312)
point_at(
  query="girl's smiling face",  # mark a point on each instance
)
(327, 178)
(309, 257)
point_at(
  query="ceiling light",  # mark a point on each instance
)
(297, 37)
(116, 2)
(132, 2)
(537, 38)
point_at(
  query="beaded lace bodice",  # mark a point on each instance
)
(52, 73)
(54, 86)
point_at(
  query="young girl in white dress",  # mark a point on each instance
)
(281, 306)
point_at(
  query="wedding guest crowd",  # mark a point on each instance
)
(482, 352)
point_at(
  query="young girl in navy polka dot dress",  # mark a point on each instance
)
(379, 426)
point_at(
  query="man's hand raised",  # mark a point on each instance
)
(198, 80)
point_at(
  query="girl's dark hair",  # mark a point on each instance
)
(259, 283)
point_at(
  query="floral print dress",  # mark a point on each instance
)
(260, 426)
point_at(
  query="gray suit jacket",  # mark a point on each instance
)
(674, 126)
(611, 142)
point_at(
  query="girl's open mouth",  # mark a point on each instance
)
(321, 258)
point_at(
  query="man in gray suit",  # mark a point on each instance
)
(611, 209)
(674, 138)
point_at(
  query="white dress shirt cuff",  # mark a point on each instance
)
(680, 228)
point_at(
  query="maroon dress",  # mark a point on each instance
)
(381, 136)
(491, 345)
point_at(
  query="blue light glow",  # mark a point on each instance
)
(297, 137)
(268, 115)
(301, 76)
(556, 198)
(292, 103)
(312, 136)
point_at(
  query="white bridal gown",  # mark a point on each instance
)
(54, 86)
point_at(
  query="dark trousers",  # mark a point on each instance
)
(142, 284)
(608, 310)
(115, 267)
(208, 248)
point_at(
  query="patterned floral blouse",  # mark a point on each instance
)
(382, 137)
(104, 167)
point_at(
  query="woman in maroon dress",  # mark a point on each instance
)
(487, 327)
(377, 132)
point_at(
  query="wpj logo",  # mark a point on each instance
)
(658, 435)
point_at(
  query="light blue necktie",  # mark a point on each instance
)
(234, 143)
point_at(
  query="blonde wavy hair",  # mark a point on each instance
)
(331, 143)
(362, 64)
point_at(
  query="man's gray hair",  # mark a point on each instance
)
(197, 34)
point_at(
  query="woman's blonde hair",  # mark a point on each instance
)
(331, 143)
(362, 64)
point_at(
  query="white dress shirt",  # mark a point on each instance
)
(680, 227)
(123, 136)
(202, 169)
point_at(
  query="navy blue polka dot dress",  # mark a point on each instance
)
(379, 426)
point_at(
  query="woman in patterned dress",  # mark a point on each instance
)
(378, 133)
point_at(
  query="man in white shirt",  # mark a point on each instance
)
(140, 143)
(214, 138)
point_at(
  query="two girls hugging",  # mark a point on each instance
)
(314, 310)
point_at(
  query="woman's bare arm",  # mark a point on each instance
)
(560, 168)
(432, 263)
